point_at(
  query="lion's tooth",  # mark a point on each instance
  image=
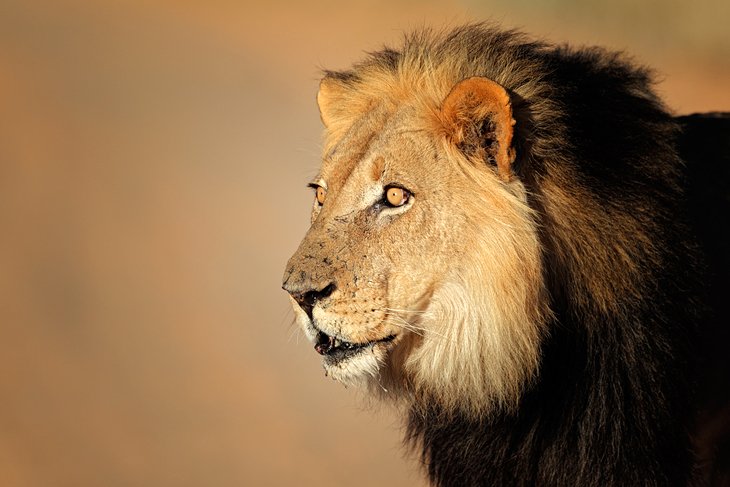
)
(338, 342)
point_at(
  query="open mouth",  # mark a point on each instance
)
(339, 349)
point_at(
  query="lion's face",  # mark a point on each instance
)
(380, 256)
(420, 272)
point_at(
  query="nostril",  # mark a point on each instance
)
(308, 299)
(326, 291)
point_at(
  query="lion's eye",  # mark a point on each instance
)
(396, 196)
(320, 194)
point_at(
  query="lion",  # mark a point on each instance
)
(518, 245)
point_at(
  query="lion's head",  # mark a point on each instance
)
(421, 273)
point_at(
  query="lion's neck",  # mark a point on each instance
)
(594, 417)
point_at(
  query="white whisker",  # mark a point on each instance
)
(418, 330)
(405, 310)
(296, 331)
(406, 327)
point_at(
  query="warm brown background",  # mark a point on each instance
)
(153, 162)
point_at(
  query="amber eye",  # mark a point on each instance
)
(320, 195)
(396, 196)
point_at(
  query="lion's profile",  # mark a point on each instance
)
(511, 240)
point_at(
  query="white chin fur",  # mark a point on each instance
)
(353, 371)
(356, 370)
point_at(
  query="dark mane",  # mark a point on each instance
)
(618, 384)
(606, 409)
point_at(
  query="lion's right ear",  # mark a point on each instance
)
(477, 118)
(340, 101)
(330, 97)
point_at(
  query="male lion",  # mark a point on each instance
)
(517, 243)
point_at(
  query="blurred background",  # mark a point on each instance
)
(153, 163)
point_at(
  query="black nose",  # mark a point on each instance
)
(308, 299)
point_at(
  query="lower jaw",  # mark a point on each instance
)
(334, 354)
(341, 356)
(356, 368)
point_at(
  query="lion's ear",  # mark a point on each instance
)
(340, 102)
(337, 98)
(477, 117)
(330, 91)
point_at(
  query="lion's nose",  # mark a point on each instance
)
(308, 299)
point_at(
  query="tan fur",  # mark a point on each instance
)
(455, 274)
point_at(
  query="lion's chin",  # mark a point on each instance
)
(352, 363)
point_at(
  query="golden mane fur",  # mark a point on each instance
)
(500, 241)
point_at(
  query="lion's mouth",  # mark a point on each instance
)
(339, 349)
